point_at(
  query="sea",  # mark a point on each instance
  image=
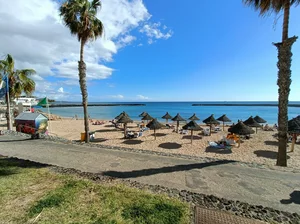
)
(185, 109)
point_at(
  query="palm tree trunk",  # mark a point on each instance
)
(283, 82)
(286, 18)
(82, 82)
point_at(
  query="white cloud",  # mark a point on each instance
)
(117, 96)
(33, 33)
(60, 90)
(153, 31)
(141, 97)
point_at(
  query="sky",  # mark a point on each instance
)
(153, 50)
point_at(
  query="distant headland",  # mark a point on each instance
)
(97, 104)
(243, 104)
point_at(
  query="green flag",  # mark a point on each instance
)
(43, 102)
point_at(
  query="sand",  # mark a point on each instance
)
(261, 148)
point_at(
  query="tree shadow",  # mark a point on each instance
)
(219, 151)
(133, 142)
(109, 130)
(267, 154)
(95, 140)
(166, 169)
(159, 134)
(17, 140)
(170, 145)
(274, 143)
(294, 198)
(9, 166)
(109, 125)
(195, 137)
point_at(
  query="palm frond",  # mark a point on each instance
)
(265, 6)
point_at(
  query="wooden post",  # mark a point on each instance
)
(293, 142)
(192, 136)
(223, 126)
(177, 126)
(210, 130)
(154, 134)
(256, 130)
(125, 129)
(239, 141)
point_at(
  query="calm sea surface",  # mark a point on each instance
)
(158, 109)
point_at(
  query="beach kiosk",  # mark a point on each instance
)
(31, 123)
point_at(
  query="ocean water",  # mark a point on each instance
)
(158, 109)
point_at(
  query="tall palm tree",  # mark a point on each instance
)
(18, 80)
(284, 66)
(80, 17)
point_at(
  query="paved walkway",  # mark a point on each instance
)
(222, 179)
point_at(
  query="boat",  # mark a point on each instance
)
(26, 101)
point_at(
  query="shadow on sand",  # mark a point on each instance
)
(170, 145)
(166, 169)
(159, 134)
(294, 198)
(219, 151)
(267, 154)
(274, 143)
(132, 142)
(195, 137)
(17, 140)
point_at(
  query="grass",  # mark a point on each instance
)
(30, 193)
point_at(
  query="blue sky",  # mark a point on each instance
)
(163, 51)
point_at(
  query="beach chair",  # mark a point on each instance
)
(206, 132)
(215, 145)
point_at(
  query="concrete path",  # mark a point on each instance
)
(222, 179)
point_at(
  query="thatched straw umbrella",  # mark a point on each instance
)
(224, 119)
(211, 120)
(192, 125)
(194, 118)
(143, 114)
(121, 114)
(177, 118)
(154, 124)
(294, 129)
(147, 118)
(252, 123)
(167, 116)
(125, 119)
(241, 129)
(258, 119)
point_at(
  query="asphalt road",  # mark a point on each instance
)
(223, 179)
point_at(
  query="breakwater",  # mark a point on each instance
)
(243, 104)
(97, 105)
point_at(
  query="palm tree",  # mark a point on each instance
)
(80, 17)
(284, 66)
(19, 82)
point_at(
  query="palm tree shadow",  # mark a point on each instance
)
(267, 154)
(273, 143)
(294, 198)
(166, 169)
(170, 145)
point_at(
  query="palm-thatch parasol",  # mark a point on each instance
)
(194, 118)
(258, 119)
(211, 120)
(192, 125)
(241, 129)
(143, 114)
(252, 123)
(154, 124)
(177, 118)
(224, 119)
(120, 115)
(147, 117)
(294, 129)
(125, 119)
(167, 116)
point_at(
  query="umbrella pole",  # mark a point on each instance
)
(192, 136)
(154, 134)
(210, 130)
(125, 129)
(239, 141)
(223, 126)
(167, 121)
(293, 142)
(256, 130)
(177, 126)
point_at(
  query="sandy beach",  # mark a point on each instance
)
(260, 148)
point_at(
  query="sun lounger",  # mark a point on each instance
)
(184, 132)
(206, 132)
